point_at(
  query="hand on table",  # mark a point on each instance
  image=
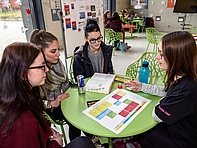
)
(62, 97)
(57, 101)
(57, 137)
(134, 85)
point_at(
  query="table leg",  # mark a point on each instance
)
(131, 36)
(110, 143)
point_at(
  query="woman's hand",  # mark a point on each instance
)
(57, 101)
(57, 137)
(62, 96)
(134, 85)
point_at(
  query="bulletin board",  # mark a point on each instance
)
(75, 15)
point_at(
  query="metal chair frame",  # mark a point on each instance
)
(156, 74)
(112, 36)
(153, 36)
(58, 122)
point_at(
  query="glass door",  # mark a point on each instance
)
(17, 20)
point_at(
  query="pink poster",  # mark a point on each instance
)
(170, 4)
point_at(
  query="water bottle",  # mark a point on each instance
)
(144, 72)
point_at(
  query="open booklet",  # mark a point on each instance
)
(100, 83)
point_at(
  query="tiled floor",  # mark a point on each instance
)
(121, 60)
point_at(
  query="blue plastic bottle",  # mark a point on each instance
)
(144, 72)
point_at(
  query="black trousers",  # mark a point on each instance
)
(157, 137)
(56, 114)
(80, 142)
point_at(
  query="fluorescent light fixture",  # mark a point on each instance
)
(180, 19)
(158, 18)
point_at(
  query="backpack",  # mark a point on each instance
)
(148, 22)
(123, 46)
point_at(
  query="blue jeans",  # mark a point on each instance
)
(117, 44)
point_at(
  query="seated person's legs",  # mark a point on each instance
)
(56, 114)
(157, 137)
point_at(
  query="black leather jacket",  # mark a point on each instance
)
(82, 64)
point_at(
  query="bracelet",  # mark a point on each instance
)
(47, 104)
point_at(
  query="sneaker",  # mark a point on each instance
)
(98, 144)
(104, 145)
(96, 141)
(128, 47)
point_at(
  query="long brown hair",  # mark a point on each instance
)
(16, 92)
(42, 38)
(180, 53)
(105, 16)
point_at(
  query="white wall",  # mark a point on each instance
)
(169, 20)
(51, 26)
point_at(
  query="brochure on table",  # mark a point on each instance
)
(116, 110)
(100, 83)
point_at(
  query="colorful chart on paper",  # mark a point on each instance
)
(116, 110)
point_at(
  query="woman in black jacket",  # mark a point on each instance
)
(94, 55)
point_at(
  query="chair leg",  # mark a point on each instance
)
(138, 29)
(110, 143)
(113, 48)
(155, 48)
(143, 29)
(63, 133)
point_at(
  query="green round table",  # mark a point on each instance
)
(73, 106)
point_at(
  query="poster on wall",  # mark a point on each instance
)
(75, 15)
(143, 3)
(170, 4)
(55, 10)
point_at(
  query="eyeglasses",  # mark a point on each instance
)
(99, 39)
(160, 53)
(39, 67)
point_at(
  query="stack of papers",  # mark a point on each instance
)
(100, 83)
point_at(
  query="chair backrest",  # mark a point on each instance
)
(71, 78)
(156, 74)
(193, 30)
(151, 30)
(141, 22)
(61, 123)
(151, 35)
(111, 35)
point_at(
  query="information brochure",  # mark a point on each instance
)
(100, 83)
(122, 78)
(116, 110)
